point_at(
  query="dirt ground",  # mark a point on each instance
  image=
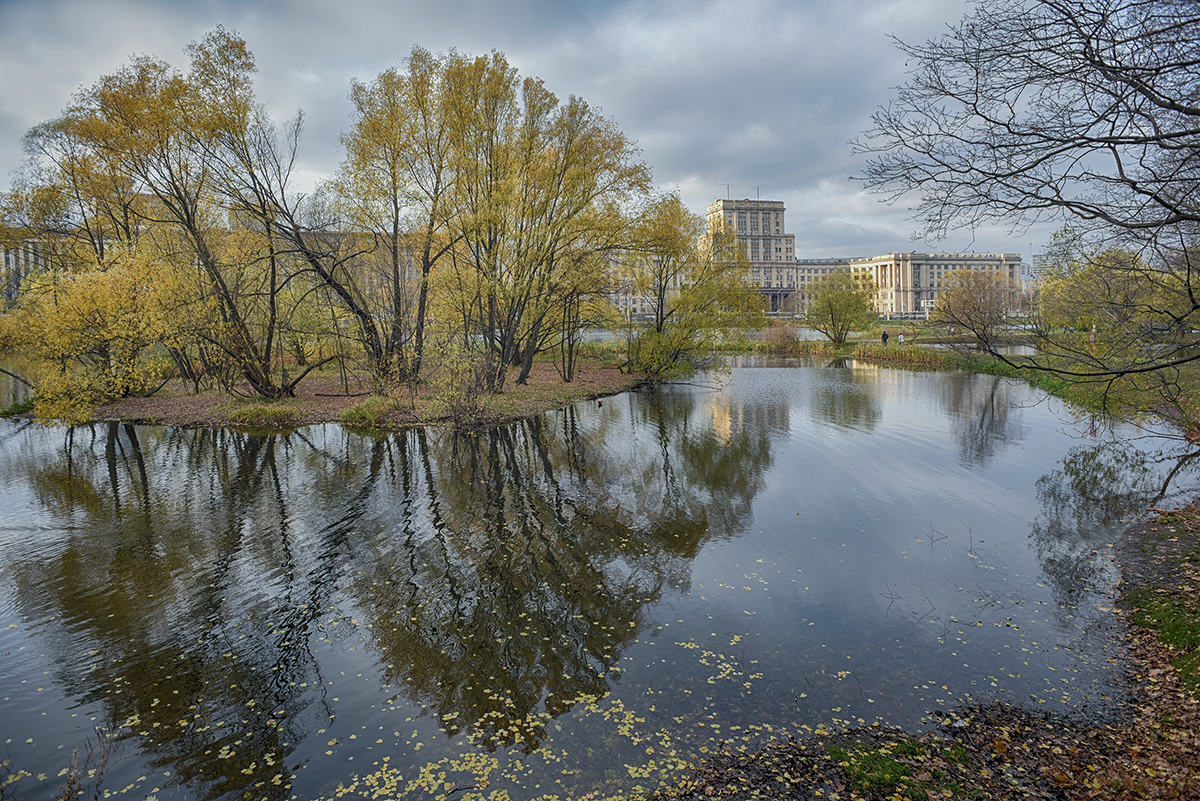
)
(323, 397)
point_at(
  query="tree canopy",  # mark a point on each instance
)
(1082, 111)
(839, 303)
(1034, 109)
(694, 281)
(468, 196)
(979, 302)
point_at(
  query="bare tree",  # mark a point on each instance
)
(1086, 111)
(1035, 109)
(979, 302)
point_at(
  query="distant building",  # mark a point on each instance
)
(908, 283)
(18, 261)
(760, 225)
(1040, 262)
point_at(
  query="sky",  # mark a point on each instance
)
(749, 99)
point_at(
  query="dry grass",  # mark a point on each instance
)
(321, 398)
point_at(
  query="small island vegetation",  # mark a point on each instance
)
(477, 226)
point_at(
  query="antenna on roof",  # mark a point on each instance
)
(727, 186)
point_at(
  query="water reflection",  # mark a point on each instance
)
(245, 608)
(848, 398)
(1095, 492)
(984, 413)
(199, 575)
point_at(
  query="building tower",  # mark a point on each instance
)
(759, 225)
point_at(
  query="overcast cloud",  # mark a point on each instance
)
(763, 96)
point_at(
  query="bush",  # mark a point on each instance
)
(463, 396)
(17, 407)
(372, 412)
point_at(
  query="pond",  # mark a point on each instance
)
(579, 602)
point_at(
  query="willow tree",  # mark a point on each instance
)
(397, 184)
(95, 326)
(839, 303)
(73, 195)
(538, 189)
(695, 282)
(171, 139)
(207, 164)
(981, 303)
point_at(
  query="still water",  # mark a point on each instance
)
(574, 603)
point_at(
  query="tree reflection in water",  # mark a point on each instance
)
(1098, 490)
(197, 577)
(984, 415)
(847, 398)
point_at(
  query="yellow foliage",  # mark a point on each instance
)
(96, 326)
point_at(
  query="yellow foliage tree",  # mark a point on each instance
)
(98, 327)
(695, 283)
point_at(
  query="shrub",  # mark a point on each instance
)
(371, 412)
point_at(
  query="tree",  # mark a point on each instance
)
(538, 189)
(696, 285)
(397, 181)
(1099, 309)
(207, 165)
(180, 143)
(1076, 110)
(979, 302)
(96, 327)
(1034, 109)
(839, 303)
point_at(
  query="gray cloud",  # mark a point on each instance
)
(762, 95)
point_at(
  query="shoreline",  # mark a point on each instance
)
(323, 400)
(1148, 748)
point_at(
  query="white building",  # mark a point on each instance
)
(16, 262)
(909, 283)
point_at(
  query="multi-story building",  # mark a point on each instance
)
(760, 225)
(909, 283)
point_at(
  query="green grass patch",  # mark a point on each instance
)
(1175, 617)
(904, 769)
(263, 414)
(871, 770)
(18, 407)
(371, 412)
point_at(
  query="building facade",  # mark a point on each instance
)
(908, 283)
(761, 227)
(16, 262)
